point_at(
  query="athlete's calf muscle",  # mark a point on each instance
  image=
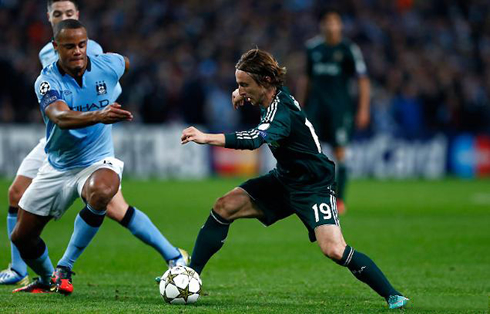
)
(331, 241)
(117, 207)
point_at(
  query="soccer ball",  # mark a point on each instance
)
(180, 285)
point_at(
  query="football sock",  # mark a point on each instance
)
(364, 269)
(143, 228)
(87, 224)
(209, 240)
(18, 263)
(38, 260)
(341, 180)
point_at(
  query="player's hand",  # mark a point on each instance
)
(191, 134)
(113, 113)
(237, 100)
(362, 119)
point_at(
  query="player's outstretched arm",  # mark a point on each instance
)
(65, 118)
(192, 134)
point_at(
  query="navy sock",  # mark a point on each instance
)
(209, 240)
(13, 210)
(364, 269)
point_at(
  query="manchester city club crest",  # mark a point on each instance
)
(101, 88)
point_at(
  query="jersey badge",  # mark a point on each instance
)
(101, 88)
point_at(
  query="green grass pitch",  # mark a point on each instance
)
(431, 238)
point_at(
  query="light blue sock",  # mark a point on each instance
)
(142, 228)
(42, 266)
(87, 224)
(18, 263)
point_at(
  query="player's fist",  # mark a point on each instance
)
(191, 134)
(113, 113)
(236, 99)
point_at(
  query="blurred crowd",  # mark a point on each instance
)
(429, 61)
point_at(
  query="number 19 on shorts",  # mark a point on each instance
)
(323, 210)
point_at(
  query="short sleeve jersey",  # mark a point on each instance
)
(79, 148)
(293, 142)
(330, 69)
(48, 55)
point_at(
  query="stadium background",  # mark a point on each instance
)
(429, 65)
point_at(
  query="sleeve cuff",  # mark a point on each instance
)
(230, 140)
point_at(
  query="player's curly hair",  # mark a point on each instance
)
(262, 67)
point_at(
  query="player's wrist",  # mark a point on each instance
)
(203, 139)
(96, 117)
(208, 139)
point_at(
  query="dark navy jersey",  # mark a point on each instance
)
(330, 69)
(292, 139)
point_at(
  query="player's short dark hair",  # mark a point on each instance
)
(323, 12)
(259, 65)
(50, 3)
(66, 24)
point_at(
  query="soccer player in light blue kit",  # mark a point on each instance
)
(76, 96)
(118, 209)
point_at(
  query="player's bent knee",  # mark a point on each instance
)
(101, 188)
(101, 196)
(15, 194)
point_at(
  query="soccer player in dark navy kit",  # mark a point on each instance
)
(302, 182)
(331, 63)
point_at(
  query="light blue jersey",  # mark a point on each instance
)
(48, 55)
(79, 148)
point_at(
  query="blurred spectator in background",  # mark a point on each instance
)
(440, 48)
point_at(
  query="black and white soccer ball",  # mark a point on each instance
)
(180, 285)
(44, 87)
